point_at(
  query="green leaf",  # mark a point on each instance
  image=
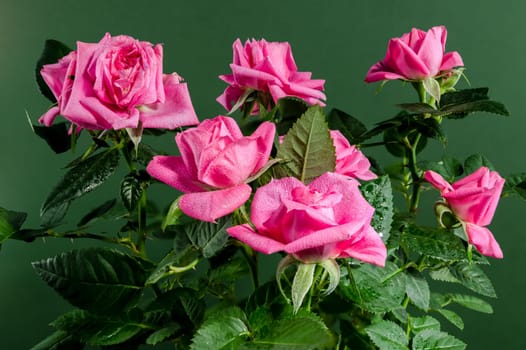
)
(430, 128)
(290, 109)
(436, 340)
(461, 110)
(224, 331)
(387, 335)
(420, 108)
(515, 185)
(349, 126)
(432, 87)
(162, 334)
(374, 288)
(182, 305)
(208, 238)
(173, 215)
(98, 330)
(417, 290)
(169, 265)
(56, 136)
(452, 317)
(132, 188)
(300, 332)
(463, 96)
(53, 51)
(10, 222)
(460, 103)
(474, 162)
(419, 324)
(471, 302)
(379, 194)
(225, 276)
(97, 212)
(84, 177)
(472, 277)
(95, 279)
(265, 295)
(433, 242)
(59, 340)
(308, 147)
(443, 274)
(301, 284)
(448, 167)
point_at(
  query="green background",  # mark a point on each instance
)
(336, 40)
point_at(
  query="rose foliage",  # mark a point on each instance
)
(274, 183)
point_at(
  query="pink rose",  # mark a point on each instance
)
(268, 67)
(473, 201)
(327, 219)
(216, 161)
(116, 84)
(415, 56)
(349, 160)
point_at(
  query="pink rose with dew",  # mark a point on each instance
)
(327, 219)
(349, 160)
(473, 201)
(117, 83)
(415, 56)
(215, 163)
(268, 67)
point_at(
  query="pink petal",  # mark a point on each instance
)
(440, 33)
(322, 237)
(483, 240)
(369, 248)
(208, 206)
(229, 97)
(222, 126)
(279, 60)
(49, 117)
(101, 116)
(172, 171)
(264, 134)
(55, 74)
(268, 200)
(176, 111)
(437, 181)
(431, 51)
(231, 166)
(191, 142)
(353, 207)
(451, 60)
(402, 59)
(474, 205)
(380, 72)
(72, 108)
(251, 78)
(262, 244)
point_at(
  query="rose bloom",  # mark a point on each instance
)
(216, 161)
(117, 83)
(349, 160)
(327, 219)
(415, 56)
(473, 201)
(268, 67)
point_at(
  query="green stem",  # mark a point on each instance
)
(125, 242)
(401, 269)
(252, 260)
(406, 180)
(315, 286)
(141, 221)
(417, 185)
